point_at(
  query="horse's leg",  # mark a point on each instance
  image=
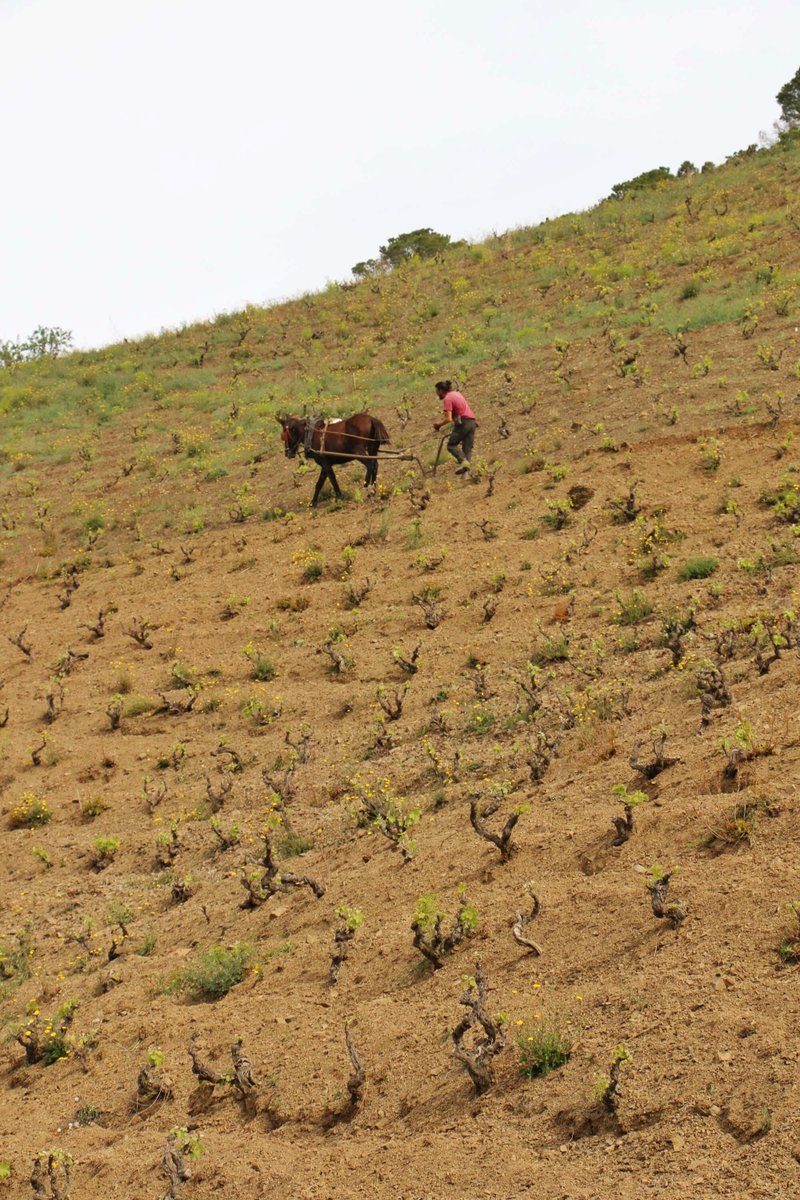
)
(336, 487)
(371, 464)
(322, 473)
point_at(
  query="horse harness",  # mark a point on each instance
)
(320, 425)
(311, 429)
(308, 434)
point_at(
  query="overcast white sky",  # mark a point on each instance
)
(165, 160)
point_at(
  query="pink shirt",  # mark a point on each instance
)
(455, 403)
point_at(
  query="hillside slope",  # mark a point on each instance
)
(617, 578)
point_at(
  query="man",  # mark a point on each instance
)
(457, 411)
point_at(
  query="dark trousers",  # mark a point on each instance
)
(462, 438)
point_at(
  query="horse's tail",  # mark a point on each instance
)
(379, 431)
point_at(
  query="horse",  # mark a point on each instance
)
(327, 442)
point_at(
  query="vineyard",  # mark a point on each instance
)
(440, 841)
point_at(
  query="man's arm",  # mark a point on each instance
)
(448, 416)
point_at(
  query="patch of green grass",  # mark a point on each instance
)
(293, 844)
(633, 608)
(481, 719)
(698, 568)
(148, 945)
(543, 1047)
(87, 1114)
(553, 649)
(137, 706)
(214, 973)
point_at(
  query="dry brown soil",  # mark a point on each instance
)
(709, 1013)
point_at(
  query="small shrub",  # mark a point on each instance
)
(606, 1086)
(784, 502)
(558, 513)
(87, 1114)
(632, 608)
(444, 768)
(552, 649)
(148, 945)
(226, 838)
(291, 845)
(234, 606)
(478, 815)
(351, 918)
(652, 561)
(376, 805)
(104, 852)
(313, 565)
(214, 973)
(262, 710)
(648, 180)
(429, 935)
(188, 1144)
(46, 1040)
(768, 357)
(137, 706)
(124, 681)
(119, 913)
(735, 828)
(93, 806)
(632, 798)
(543, 1047)
(155, 1057)
(171, 758)
(710, 455)
(699, 370)
(698, 568)
(293, 604)
(672, 911)
(181, 675)
(29, 812)
(628, 643)
(652, 558)
(337, 651)
(415, 537)
(260, 666)
(349, 555)
(481, 719)
(624, 825)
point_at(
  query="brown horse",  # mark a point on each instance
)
(329, 442)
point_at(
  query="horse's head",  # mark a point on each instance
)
(292, 431)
